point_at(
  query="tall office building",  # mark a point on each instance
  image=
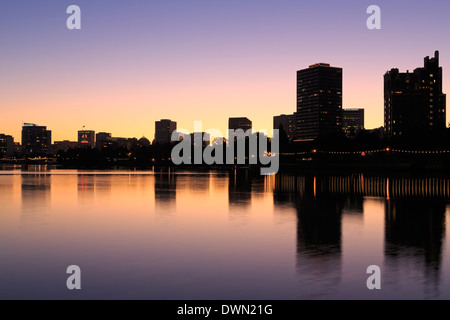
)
(414, 104)
(287, 121)
(352, 121)
(239, 123)
(36, 140)
(319, 101)
(6, 146)
(163, 130)
(86, 138)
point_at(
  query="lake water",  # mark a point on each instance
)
(193, 235)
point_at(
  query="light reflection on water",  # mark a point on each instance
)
(191, 235)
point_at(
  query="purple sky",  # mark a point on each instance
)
(135, 62)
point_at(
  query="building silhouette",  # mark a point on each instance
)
(287, 122)
(64, 145)
(352, 121)
(143, 142)
(36, 140)
(200, 139)
(239, 123)
(163, 131)
(6, 146)
(319, 101)
(103, 140)
(86, 138)
(414, 104)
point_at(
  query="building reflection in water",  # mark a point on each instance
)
(414, 232)
(414, 223)
(165, 191)
(91, 186)
(240, 188)
(86, 186)
(319, 231)
(36, 198)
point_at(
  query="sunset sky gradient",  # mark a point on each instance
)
(138, 61)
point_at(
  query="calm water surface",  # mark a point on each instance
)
(165, 235)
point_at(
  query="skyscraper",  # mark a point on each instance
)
(86, 138)
(352, 121)
(239, 123)
(163, 130)
(319, 101)
(414, 104)
(36, 140)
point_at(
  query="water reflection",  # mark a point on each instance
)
(36, 198)
(165, 190)
(354, 205)
(284, 236)
(414, 233)
(240, 188)
(414, 229)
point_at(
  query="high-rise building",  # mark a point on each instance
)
(6, 146)
(287, 121)
(352, 121)
(36, 140)
(163, 130)
(239, 123)
(86, 138)
(319, 101)
(414, 104)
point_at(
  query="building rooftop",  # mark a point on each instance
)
(320, 64)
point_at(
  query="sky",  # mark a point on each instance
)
(137, 61)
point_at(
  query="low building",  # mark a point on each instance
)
(64, 145)
(287, 122)
(6, 146)
(352, 121)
